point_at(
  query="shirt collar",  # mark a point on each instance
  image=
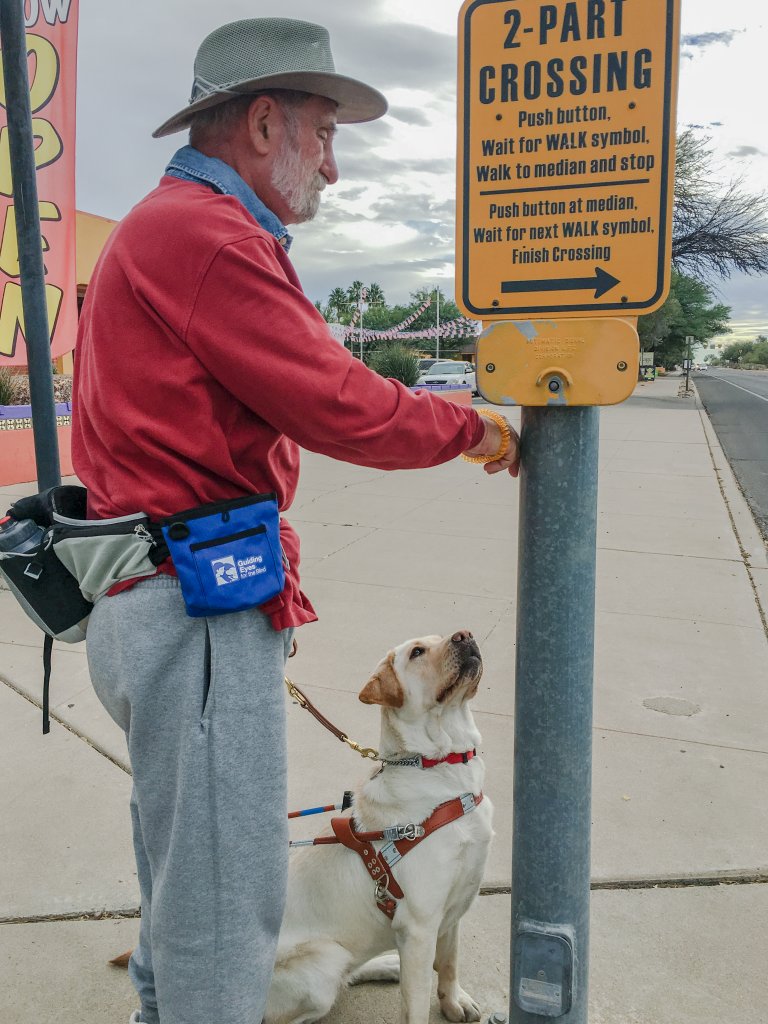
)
(190, 164)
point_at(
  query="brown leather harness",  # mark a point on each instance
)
(400, 840)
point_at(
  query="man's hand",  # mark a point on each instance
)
(491, 443)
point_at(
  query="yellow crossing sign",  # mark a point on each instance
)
(566, 145)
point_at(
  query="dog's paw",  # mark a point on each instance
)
(382, 968)
(460, 1008)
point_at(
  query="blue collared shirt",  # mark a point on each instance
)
(190, 164)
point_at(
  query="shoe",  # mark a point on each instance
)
(135, 1018)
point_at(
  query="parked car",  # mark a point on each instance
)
(450, 372)
(424, 365)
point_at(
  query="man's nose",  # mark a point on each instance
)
(329, 168)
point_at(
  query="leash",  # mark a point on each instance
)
(398, 839)
(307, 704)
(409, 761)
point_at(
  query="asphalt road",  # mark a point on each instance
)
(737, 404)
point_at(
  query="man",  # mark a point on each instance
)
(201, 368)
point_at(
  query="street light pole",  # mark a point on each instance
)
(689, 341)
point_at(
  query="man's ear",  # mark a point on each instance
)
(261, 118)
(384, 687)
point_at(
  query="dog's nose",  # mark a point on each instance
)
(462, 637)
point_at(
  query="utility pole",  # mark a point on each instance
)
(32, 271)
(437, 344)
(363, 294)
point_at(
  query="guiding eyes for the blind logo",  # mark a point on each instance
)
(226, 570)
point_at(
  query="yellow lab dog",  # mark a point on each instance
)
(342, 908)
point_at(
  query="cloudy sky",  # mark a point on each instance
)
(390, 218)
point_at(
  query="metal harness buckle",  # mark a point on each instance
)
(381, 889)
(410, 831)
(467, 802)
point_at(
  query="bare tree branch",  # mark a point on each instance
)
(717, 229)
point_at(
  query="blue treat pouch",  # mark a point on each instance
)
(227, 554)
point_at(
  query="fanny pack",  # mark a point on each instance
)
(227, 556)
(74, 561)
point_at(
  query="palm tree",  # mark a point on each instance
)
(338, 302)
(376, 294)
(354, 291)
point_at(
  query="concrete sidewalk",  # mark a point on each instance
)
(680, 796)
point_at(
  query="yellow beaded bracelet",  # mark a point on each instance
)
(506, 439)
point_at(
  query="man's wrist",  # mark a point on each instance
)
(496, 440)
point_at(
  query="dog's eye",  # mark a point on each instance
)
(417, 652)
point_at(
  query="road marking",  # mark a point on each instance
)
(726, 381)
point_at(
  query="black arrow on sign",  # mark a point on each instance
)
(602, 282)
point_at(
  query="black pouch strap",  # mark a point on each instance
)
(159, 551)
(47, 651)
(67, 500)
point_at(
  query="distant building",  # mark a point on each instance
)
(91, 234)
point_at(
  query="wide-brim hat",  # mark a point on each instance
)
(272, 53)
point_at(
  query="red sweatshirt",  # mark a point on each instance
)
(201, 367)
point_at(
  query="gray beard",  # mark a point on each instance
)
(299, 187)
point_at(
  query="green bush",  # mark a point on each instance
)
(7, 386)
(396, 361)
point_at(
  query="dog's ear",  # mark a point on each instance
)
(384, 688)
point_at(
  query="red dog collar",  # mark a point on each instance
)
(418, 761)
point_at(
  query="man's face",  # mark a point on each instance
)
(305, 163)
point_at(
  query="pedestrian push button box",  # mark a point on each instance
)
(558, 362)
(543, 969)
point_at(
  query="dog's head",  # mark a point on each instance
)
(426, 673)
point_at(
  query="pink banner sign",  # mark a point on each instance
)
(52, 61)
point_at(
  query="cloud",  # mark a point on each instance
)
(351, 194)
(395, 55)
(700, 40)
(744, 151)
(361, 157)
(410, 115)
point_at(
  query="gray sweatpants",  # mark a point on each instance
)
(203, 708)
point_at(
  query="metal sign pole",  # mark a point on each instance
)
(689, 348)
(553, 715)
(32, 271)
(535, 180)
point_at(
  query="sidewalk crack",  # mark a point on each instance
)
(126, 914)
(707, 879)
(60, 721)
